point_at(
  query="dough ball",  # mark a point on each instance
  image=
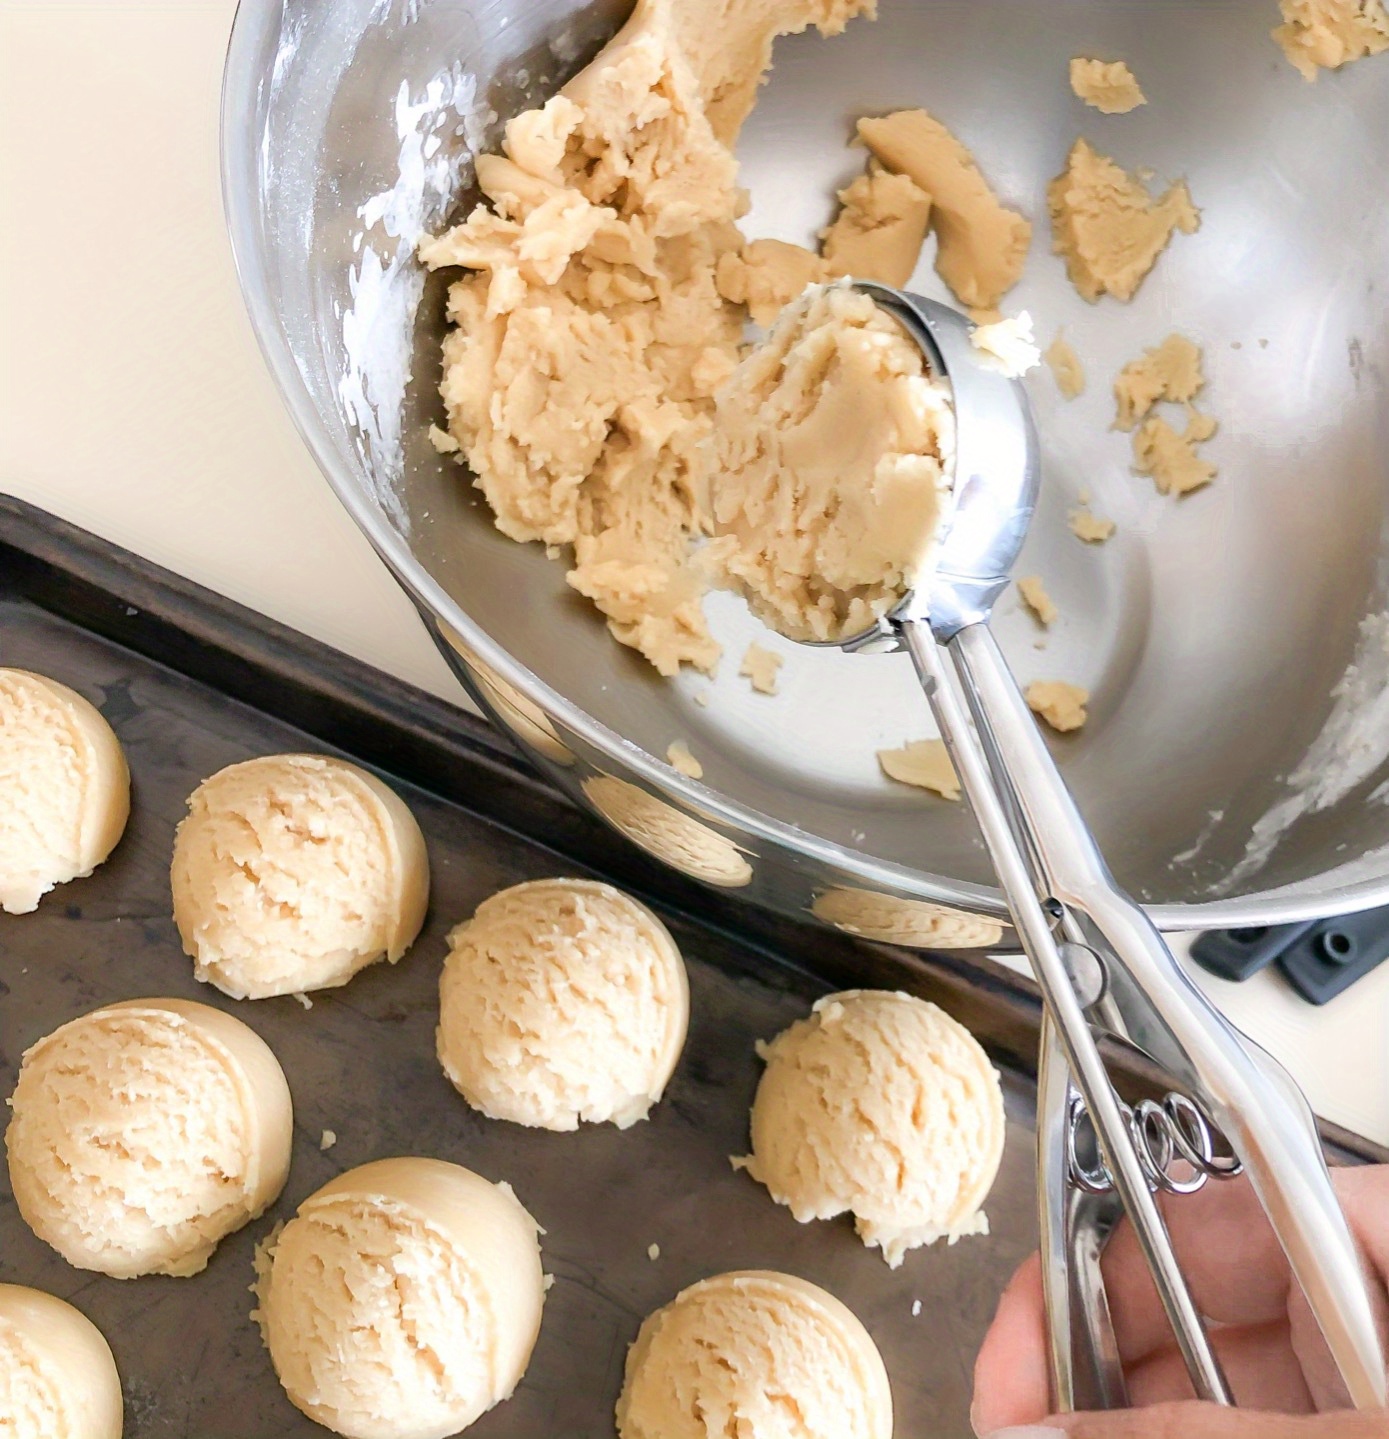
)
(562, 1000)
(292, 872)
(64, 788)
(57, 1377)
(759, 1355)
(882, 1106)
(403, 1300)
(144, 1132)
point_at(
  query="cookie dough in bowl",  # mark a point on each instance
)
(403, 1299)
(292, 872)
(756, 1354)
(143, 1133)
(64, 788)
(57, 1377)
(562, 1000)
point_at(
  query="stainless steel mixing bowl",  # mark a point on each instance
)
(1234, 642)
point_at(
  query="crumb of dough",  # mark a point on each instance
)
(1108, 227)
(1090, 527)
(1060, 704)
(653, 1252)
(766, 275)
(1066, 367)
(916, 1309)
(983, 244)
(1008, 345)
(924, 763)
(1111, 89)
(588, 332)
(443, 441)
(1169, 371)
(832, 454)
(702, 699)
(760, 666)
(1170, 457)
(328, 1140)
(303, 999)
(1326, 34)
(878, 232)
(1035, 597)
(682, 761)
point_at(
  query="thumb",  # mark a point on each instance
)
(1205, 1421)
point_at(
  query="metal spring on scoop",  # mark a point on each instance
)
(1162, 1134)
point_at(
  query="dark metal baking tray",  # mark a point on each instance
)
(192, 682)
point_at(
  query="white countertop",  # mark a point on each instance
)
(133, 400)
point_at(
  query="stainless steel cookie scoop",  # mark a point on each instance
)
(1104, 970)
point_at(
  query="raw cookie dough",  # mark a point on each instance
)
(881, 1105)
(758, 1355)
(1008, 345)
(1169, 371)
(1035, 597)
(1326, 34)
(1111, 89)
(1090, 527)
(832, 455)
(1060, 704)
(760, 667)
(403, 1299)
(562, 1000)
(766, 275)
(57, 1377)
(1066, 367)
(912, 923)
(983, 245)
(680, 759)
(1108, 227)
(1170, 457)
(668, 833)
(143, 1133)
(924, 763)
(292, 872)
(879, 230)
(591, 335)
(64, 788)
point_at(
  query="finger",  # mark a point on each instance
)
(1258, 1360)
(1011, 1380)
(1209, 1421)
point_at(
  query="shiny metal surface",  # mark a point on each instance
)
(1211, 632)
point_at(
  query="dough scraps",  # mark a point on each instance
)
(878, 233)
(1066, 367)
(1108, 227)
(1326, 34)
(832, 454)
(682, 761)
(760, 666)
(766, 275)
(1169, 371)
(1008, 345)
(1060, 704)
(982, 244)
(1111, 89)
(1090, 527)
(1170, 458)
(589, 334)
(1035, 597)
(924, 763)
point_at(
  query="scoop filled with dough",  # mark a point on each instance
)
(562, 1000)
(882, 1106)
(143, 1133)
(57, 1377)
(756, 1354)
(833, 450)
(403, 1299)
(292, 872)
(64, 788)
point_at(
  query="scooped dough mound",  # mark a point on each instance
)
(1060, 704)
(1110, 89)
(832, 456)
(1326, 34)
(292, 872)
(1169, 371)
(758, 1355)
(145, 1132)
(878, 232)
(562, 1000)
(1108, 227)
(668, 833)
(912, 923)
(403, 1299)
(57, 1377)
(64, 788)
(883, 1106)
(591, 334)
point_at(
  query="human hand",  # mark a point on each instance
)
(1262, 1330)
